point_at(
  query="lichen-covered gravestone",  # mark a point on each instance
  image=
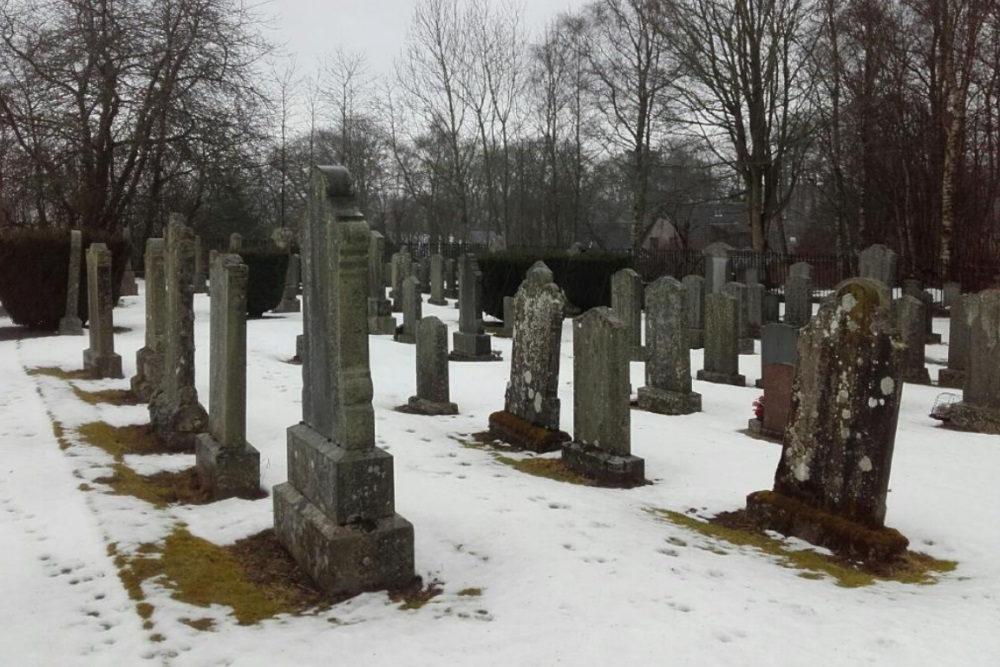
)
(100, 359)
(380, 319)
(626, 301)
(530, 418)
(433, 387)
(910, 322)
(227, 464)
(668, 358)
(412, 312)
(744, 340)
(470, 342)
(722, 360)
(831, 483)
(958, 345)
(149, 358)
(71, 324)
(979, 410)
(601, 448)
(336, 514)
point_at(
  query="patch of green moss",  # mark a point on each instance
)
(60, 433)
(121, 440)
(85, 487)
(417, 596)
(159, 490)
(203, 624)
(156, 637)
(547, 468)
(471, 592)
(912, 568)
(111, 396)
(56, 372)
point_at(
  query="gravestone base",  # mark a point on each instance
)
(437, 302)
(519, 433)
(759, 383)
(177, 426)
(756, 428)
(964, 416)
(472, 347)
(916, 375)
(149, 373)
(696, 339)
(603, 467)
(722, 378)
(421, 406)
(951, 378)
(846, 538)
(228, 472)
(745, 346)
(288, 305)
(102, 366)
(381, 325)
(451, 294)
(70, 326)
(300, 347)
(344, 559)
(401, 336)
(932, 338)
(128, 286)
(666, 402)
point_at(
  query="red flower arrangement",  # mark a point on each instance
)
(758, 408)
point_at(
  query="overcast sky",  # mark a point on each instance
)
(311, 29)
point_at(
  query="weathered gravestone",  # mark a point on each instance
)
(424, 274)
(433, 392)
(777, 381)
(958, 345)
(128, 286)
(200, 269)
(149, 358)
(722, 358)
(450, 286)
(507, 330)
(290, 295)
(100, 359)
(718, 266)
(530, 418)
(412, 312)
(470, 342)
(227, 464)
(914, 288)
(755, 308)
(668, 357)
(336, 514)
(878, 262)
(694, 305)
(235, 242)
(437, 281)
(801, 269)
(831, 483)
(601, 448)
(71, 324)
(402, 268)
(744, 340)
(950, 293)
(979, 409)
(380, 319)
(174, 410)
(778, 345)
(772, 307)
(798, 301)
(910, 323)
(626, 301)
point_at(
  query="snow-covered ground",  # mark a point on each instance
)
(568, 574)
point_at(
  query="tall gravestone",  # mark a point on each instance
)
(910, 322)
(424, 274)
(668, 358)
(433, 388)
(718, 266)
(71, 324)
(227, 464)
(694, 305)
(100, 359)
(530, 418)
(831, 483)
(402, 268)
(722, 357)
(601, 448)
(174, 410)
(798, 300)
(437, 281)
(380, 319)
(336, 514)
(778, 345)
(949, 293)
(778, 356)
(958, 345)
(470, 342)
(626, 301)
(290, 295)
(755, 308)
(450, 287)
(149, 358)
(412, 312)
(878, 262)
(739, 292)
(979, 409)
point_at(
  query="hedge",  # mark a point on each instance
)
(266, 269)
(34, 267)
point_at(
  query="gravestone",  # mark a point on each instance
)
(336, 514)
(290, 295)
(950, 293)
(200, 270)
(437, 281)
(739, 292)
(668, 360)
(831, 482)
(71, 324)
(910, 322)
(470, 343)
(772, 307)
(433, 393)
(174, 410)
(402, 268)
(424, 274)
(626, 301)
(694, 305)
(412, 312)
(227, 464)
(507, 330)
(450, 285)
(149, 358)
(798, 301)
(601, 448)
(530, 418)
(235, 242)
(878, 262)
(380, 319)
(718, 267)
(100, 359)
(801, 269)
(914, 288)
(755, 308)
(778, 345)
(958, 345)
(128, 286)
(979, 409)
(722, 359)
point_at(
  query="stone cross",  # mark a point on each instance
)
(878, 262)
(149, 358)
(626, 301)
(798, 300)
(722, 359)
(958, 345)
(695, 308)
(910, 321)
(71, 324)
(469, 343)
(602, 446)
(336, 514)
(100, 359)
(718, 267)
(739, 292)
(228, 465)
(433, 393)
(174, 410)
(380, 319)
(668, 361)
(437, 281)
(412, 311)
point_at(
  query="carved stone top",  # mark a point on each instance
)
(338, 181)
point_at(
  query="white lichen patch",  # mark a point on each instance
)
(848, 301)
(888, 385)
(527, 377)
(845, 433)
(801, 470)
(865, 464)
(538, 402)
(845, 413)
(872, 402)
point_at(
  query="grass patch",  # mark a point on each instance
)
(121, 440)
(470, 592)
(203, 624)
(733, 528)
(547, 468)
(111, 396)
(56, 372)
(60, 432)
(159, 490)
(416, 596)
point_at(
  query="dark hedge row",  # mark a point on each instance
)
(584, 277)
(266, 269)
(34, 268)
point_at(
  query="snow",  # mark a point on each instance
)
(569, 575)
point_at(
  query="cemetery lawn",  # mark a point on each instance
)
(520, 566)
